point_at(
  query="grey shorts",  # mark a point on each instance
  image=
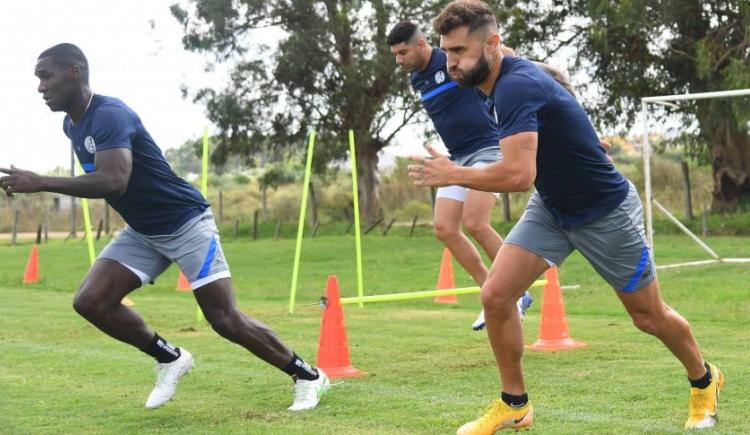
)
(482, 157)
(615, 245)
(195, 247)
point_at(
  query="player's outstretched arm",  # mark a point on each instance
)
(108, 180)
(516, 172)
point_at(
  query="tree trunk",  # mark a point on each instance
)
(371, 197)
(313, 205)
(730, 150)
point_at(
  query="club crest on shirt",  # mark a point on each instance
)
(90, 144)
(439, 77)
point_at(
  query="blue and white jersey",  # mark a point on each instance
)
(575, 179)
(156, 200)
(460, 115)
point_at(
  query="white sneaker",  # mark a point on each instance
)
(167, 376)
(307, 394)
(478, 324)
(523, 303)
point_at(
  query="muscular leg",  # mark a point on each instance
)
(99, 301)
(448, 230)
(477, 212)
(216, 299)
(651, 315)
(512, 272)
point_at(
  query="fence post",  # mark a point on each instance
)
(277, 230)
(236, 229)
(73, 212)
(255, 225)
(15, 227)
(46, 225)
(39, 234)
(506, 206)
(106, 217)
(374, 224)
(413, 224)
(99, 230)
(388, 227)
(686, 188)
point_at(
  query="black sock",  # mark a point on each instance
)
(514, 401)
(162, 350)
(703, 382)
(298, 369)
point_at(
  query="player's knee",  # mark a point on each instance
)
(445, 231)
(223, 323)
(86, 305)
(496, 299)
(477, 227)
(646, 322)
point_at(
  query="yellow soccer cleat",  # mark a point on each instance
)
(499, 415)
(704, 402)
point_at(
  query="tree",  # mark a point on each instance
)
(332, 70)
(637, 48)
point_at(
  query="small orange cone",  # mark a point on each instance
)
(333, 350)
(182, 283)
(445, 279)
(31, 275)
(553, 329)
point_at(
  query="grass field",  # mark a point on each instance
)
(429, 373)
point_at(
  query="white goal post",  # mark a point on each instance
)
(667, 100)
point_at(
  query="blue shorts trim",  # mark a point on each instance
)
(630, 287)
(206, 268)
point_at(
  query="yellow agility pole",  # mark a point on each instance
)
(422, 294)
(355, 207)
(301, 223)
(90, 236)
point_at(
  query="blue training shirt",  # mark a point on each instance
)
(460, 115)
(574, 177)
(156, 200)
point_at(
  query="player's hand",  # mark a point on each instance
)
(431, 171)
(607, 146)
(19, 181)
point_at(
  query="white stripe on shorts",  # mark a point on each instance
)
(209, 279)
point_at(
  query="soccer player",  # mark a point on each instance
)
(470, 133)
(581, 202)
(168, 221)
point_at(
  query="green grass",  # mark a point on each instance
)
(429, 373)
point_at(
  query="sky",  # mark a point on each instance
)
(135, 53)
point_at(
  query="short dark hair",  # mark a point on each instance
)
(472, 13)
(67, 54)
(402, 32)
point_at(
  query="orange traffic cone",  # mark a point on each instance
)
(182, 283)
(445, 279)
(333, 350)
(553, 329)
(31, 275)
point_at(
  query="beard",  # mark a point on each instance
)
(476, 75)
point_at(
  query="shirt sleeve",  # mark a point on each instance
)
(518, 99)
(66, 122)
(114, 127)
